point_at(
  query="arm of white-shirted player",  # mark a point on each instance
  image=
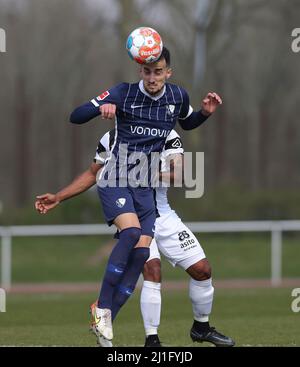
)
(81, 183)
(173, 173)
(102, 151)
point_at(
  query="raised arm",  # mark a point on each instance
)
(105, 104)
(84, 113)
(88, 111)
(208, 106)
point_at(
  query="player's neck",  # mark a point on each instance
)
(155, 96)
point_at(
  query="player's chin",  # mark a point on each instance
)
(154, 90)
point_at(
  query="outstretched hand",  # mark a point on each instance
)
(210, 103)
(46, 202)
(108, 111)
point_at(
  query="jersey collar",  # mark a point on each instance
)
(143, 90)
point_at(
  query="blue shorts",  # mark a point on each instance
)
(120, 200)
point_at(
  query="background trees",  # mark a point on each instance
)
(63, 52)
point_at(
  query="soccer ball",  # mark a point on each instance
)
(144, 45)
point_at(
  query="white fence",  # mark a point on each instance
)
(274, 227)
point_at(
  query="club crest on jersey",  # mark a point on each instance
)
(170, 109)
(103, 96)
(120, 202)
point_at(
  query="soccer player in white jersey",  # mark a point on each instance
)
(174, 240)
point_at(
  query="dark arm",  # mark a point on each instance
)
(174, 176)
(84, 113)
(80, 184)
(87, 179)
(193, 121)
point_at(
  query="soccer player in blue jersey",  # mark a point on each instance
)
(146, 112)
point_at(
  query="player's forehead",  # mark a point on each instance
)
(159, 65)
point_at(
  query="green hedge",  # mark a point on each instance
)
(221, 204)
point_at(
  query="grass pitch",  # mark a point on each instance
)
(255, 317)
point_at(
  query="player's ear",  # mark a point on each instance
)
(169, 73)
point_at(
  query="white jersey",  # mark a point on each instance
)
(173, 145)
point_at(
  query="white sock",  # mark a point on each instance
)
(201, 295)
(151, 306)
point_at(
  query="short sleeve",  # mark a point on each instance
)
(173, 145)
(102, 149)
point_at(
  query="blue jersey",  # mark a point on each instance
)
(143, 122)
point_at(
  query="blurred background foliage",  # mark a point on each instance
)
(60, 53)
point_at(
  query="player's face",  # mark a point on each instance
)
(154, 76)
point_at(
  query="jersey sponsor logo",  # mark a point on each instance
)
(133, 106)
(103, 96)
(140, 130)
(120, 202)
(176, 143)
(186, 241)
(183, 235)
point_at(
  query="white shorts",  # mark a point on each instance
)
(176, 242)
